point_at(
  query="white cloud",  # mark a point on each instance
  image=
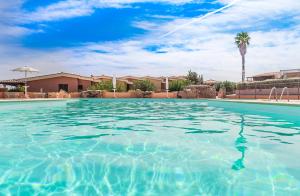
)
(75, 8)
(206, 46)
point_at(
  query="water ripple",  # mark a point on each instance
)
(148, 147)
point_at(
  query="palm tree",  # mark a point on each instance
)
(242, 41)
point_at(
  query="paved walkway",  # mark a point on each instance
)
(265, 101)
(29, 100)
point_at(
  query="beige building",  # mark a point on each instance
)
(54, 82)
(282, 74)
(76, 83)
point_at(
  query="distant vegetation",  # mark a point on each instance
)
(194, 78)
(178, 85)
(227, 85)
(108, 86)
(143, 85)
(17, 89)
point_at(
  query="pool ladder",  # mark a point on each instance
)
(274, 88)
(285, 89)
(287, 93)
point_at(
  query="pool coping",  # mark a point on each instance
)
(250, 101)
(263, 101)
(32, 100)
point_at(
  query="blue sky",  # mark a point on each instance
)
(144, 37)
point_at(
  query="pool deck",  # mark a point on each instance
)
(31, 100)
(254, 101)
(264, 101)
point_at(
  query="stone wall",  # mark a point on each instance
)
(222, 93)
(198, 91)
(164, 95)
(92, 94)
(129, 94)
(14, 95)
(37, 95)
(195, 92)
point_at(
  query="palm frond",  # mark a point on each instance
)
(242, 38)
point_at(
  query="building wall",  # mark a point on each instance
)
(51, 84)
(85, 84)
(262, 78)
(106, 80)
(157, 84)
(292, 75)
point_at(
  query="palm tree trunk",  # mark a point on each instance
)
(243, 68)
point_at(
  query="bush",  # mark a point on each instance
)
(108, 86)
(143, 85)
(17, 89)
(178, 85)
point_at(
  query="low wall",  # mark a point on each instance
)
(55, 95)
(292, 97)
(119, 95)
(36, 95)
(14, 95)
(133, 94)
(292, 91)
(75, 95)
(164, 95)
(198, 91)
(60, 95)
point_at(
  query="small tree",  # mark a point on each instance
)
(143, 85)
(194, 78)
(201, 79)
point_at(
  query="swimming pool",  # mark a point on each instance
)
(149, 147)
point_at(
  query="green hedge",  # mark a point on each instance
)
(143, 85)
(178, 85)
(17, 89)
(108, 86)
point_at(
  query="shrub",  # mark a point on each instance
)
(108, 86)
(143, 85)
(194, 78)
(178, 85)
(17, 89)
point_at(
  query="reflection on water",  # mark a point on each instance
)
(148, 147)
(240, 144)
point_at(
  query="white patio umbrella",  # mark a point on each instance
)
(114, 84)
(167, 86)
(26, 70)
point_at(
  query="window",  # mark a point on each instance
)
(80, 88)
(64, 87)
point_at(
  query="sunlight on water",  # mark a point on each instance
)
(149, 147)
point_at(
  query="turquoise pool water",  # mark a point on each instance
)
(149, 147)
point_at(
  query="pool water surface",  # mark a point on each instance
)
(148, 147)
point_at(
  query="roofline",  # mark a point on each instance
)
(267, 74)
(61, 74)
